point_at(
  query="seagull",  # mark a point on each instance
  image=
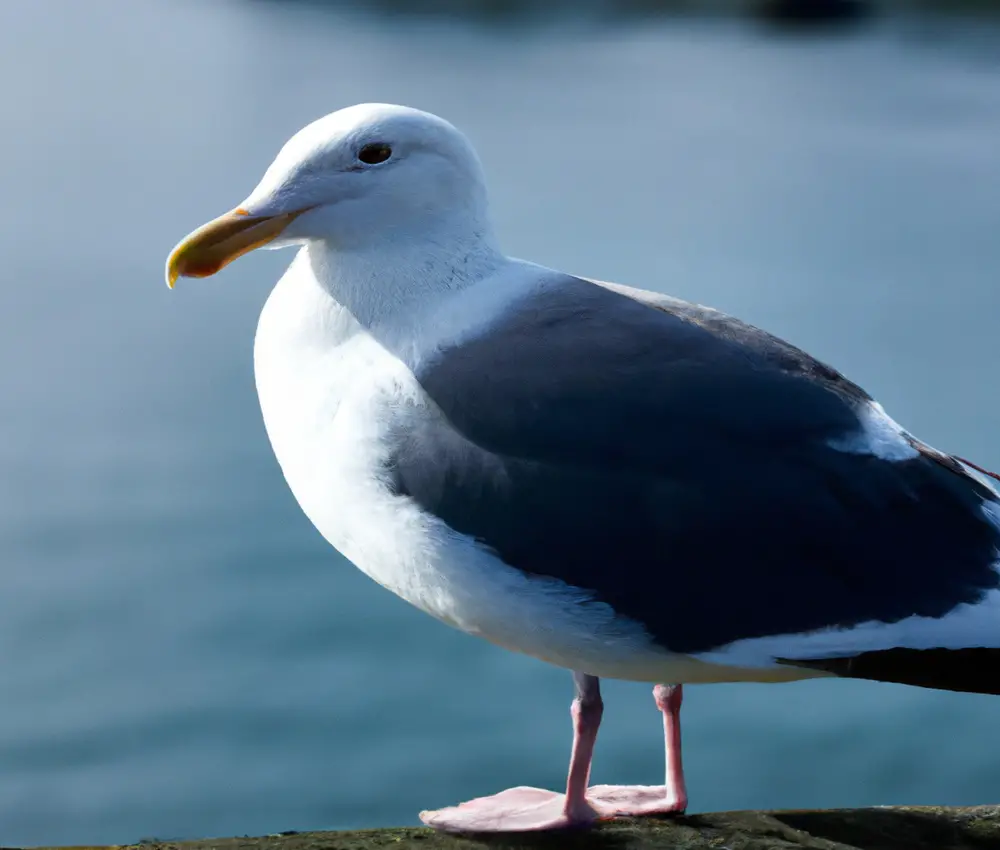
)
(608, 479)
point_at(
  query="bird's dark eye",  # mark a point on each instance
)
(374, 153)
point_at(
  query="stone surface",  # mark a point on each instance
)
(890, 828)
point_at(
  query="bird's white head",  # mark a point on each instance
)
(359, 179)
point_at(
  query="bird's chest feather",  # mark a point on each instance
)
(327, 414)
(332, 413)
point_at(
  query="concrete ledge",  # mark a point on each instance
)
(890, 828)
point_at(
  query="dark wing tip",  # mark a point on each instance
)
(974, 670)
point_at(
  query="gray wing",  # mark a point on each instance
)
(677, 463)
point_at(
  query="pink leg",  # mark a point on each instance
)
(671, 797)
(587, 710)
(668, 700)
(525, 809)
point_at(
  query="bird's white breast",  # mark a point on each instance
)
(328, 394)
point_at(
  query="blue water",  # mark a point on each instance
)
(180, 652)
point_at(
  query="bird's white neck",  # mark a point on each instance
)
(387, 288)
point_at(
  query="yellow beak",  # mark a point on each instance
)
(216, 244)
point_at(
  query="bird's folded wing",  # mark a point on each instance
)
(702, 477)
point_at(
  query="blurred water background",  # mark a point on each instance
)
(180, 652)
